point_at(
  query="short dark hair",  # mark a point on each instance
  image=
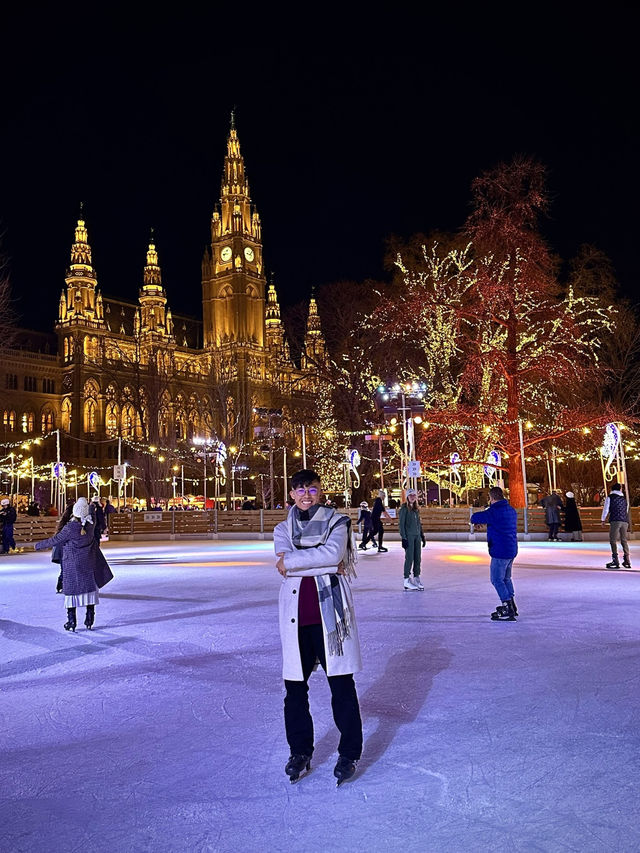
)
(496, 493)
(615, 487)
(304, 478)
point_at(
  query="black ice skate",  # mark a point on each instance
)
(626, 564)
(505, 613)
(89, 618)
(344, 769)
(614, 564)
(70, 624)
(296, 765)
(502, 608)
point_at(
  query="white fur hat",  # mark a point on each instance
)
(81, 510)
(569, 494)
(5, 502)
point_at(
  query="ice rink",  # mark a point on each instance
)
(162, 729)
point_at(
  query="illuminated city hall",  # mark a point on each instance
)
(155, 379)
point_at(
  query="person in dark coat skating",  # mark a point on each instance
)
(552, 507)
(98, 518)
(56, 554)
(572, 521)
(7, 519)
(364, 518)
(85, 568)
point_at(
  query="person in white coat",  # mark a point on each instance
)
(316, 558)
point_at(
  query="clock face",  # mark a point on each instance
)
(225, 254)
(248, 253)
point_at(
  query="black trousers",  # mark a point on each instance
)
(370, 536)
(344, 701)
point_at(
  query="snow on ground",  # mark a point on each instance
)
(162, 730)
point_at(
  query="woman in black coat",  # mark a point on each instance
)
(572, 522)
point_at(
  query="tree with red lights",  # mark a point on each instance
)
(495, 336)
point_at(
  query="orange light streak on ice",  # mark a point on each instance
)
(464, 558)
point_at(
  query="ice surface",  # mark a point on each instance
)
(162, 729)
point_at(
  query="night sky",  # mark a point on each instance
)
(352, 128)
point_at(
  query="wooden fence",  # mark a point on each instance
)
(453, 521)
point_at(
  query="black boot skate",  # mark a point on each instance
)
(296, 764)
(506, 612)
(59, 583)
(614, 564)
(344, 769)
(70, 624)
(502, 609)
(91, 615)
(626, 563)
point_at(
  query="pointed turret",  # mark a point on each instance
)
(275, 338)
(79, 303)
(154, 318)
(315, 350)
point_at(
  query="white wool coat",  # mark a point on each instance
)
(310, 562)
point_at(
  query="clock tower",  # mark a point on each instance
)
(233, 281)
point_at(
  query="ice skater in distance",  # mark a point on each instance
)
(502, 539)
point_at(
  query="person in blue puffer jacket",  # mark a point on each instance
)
(502, 538)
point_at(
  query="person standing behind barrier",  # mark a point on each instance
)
(615, 507)
(8, 519)
(572, 522)
(413, 540)
(552, 506)
(502, 538)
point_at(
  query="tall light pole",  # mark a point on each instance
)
(405, 399)
(271, 434)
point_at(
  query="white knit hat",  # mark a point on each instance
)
(364, 505)
(81, 510)
(5, 502)
(570, 494)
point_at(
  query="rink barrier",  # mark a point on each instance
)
(438, 523)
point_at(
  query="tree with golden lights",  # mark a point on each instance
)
(498, 340)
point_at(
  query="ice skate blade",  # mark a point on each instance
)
(299, 776)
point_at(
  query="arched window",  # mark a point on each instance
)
(111, 418)
(163, 423)
(128, 420)
(9, 420)
(66, 414)
(181, 425)
(47, 421)
(90, 415)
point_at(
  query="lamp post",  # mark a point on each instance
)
(405, 399)
(271, 435)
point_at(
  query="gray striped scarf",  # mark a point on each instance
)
(336, 613)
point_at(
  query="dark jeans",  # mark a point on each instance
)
(344, 701)
(553, 530)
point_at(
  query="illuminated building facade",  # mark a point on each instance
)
(137, 371)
